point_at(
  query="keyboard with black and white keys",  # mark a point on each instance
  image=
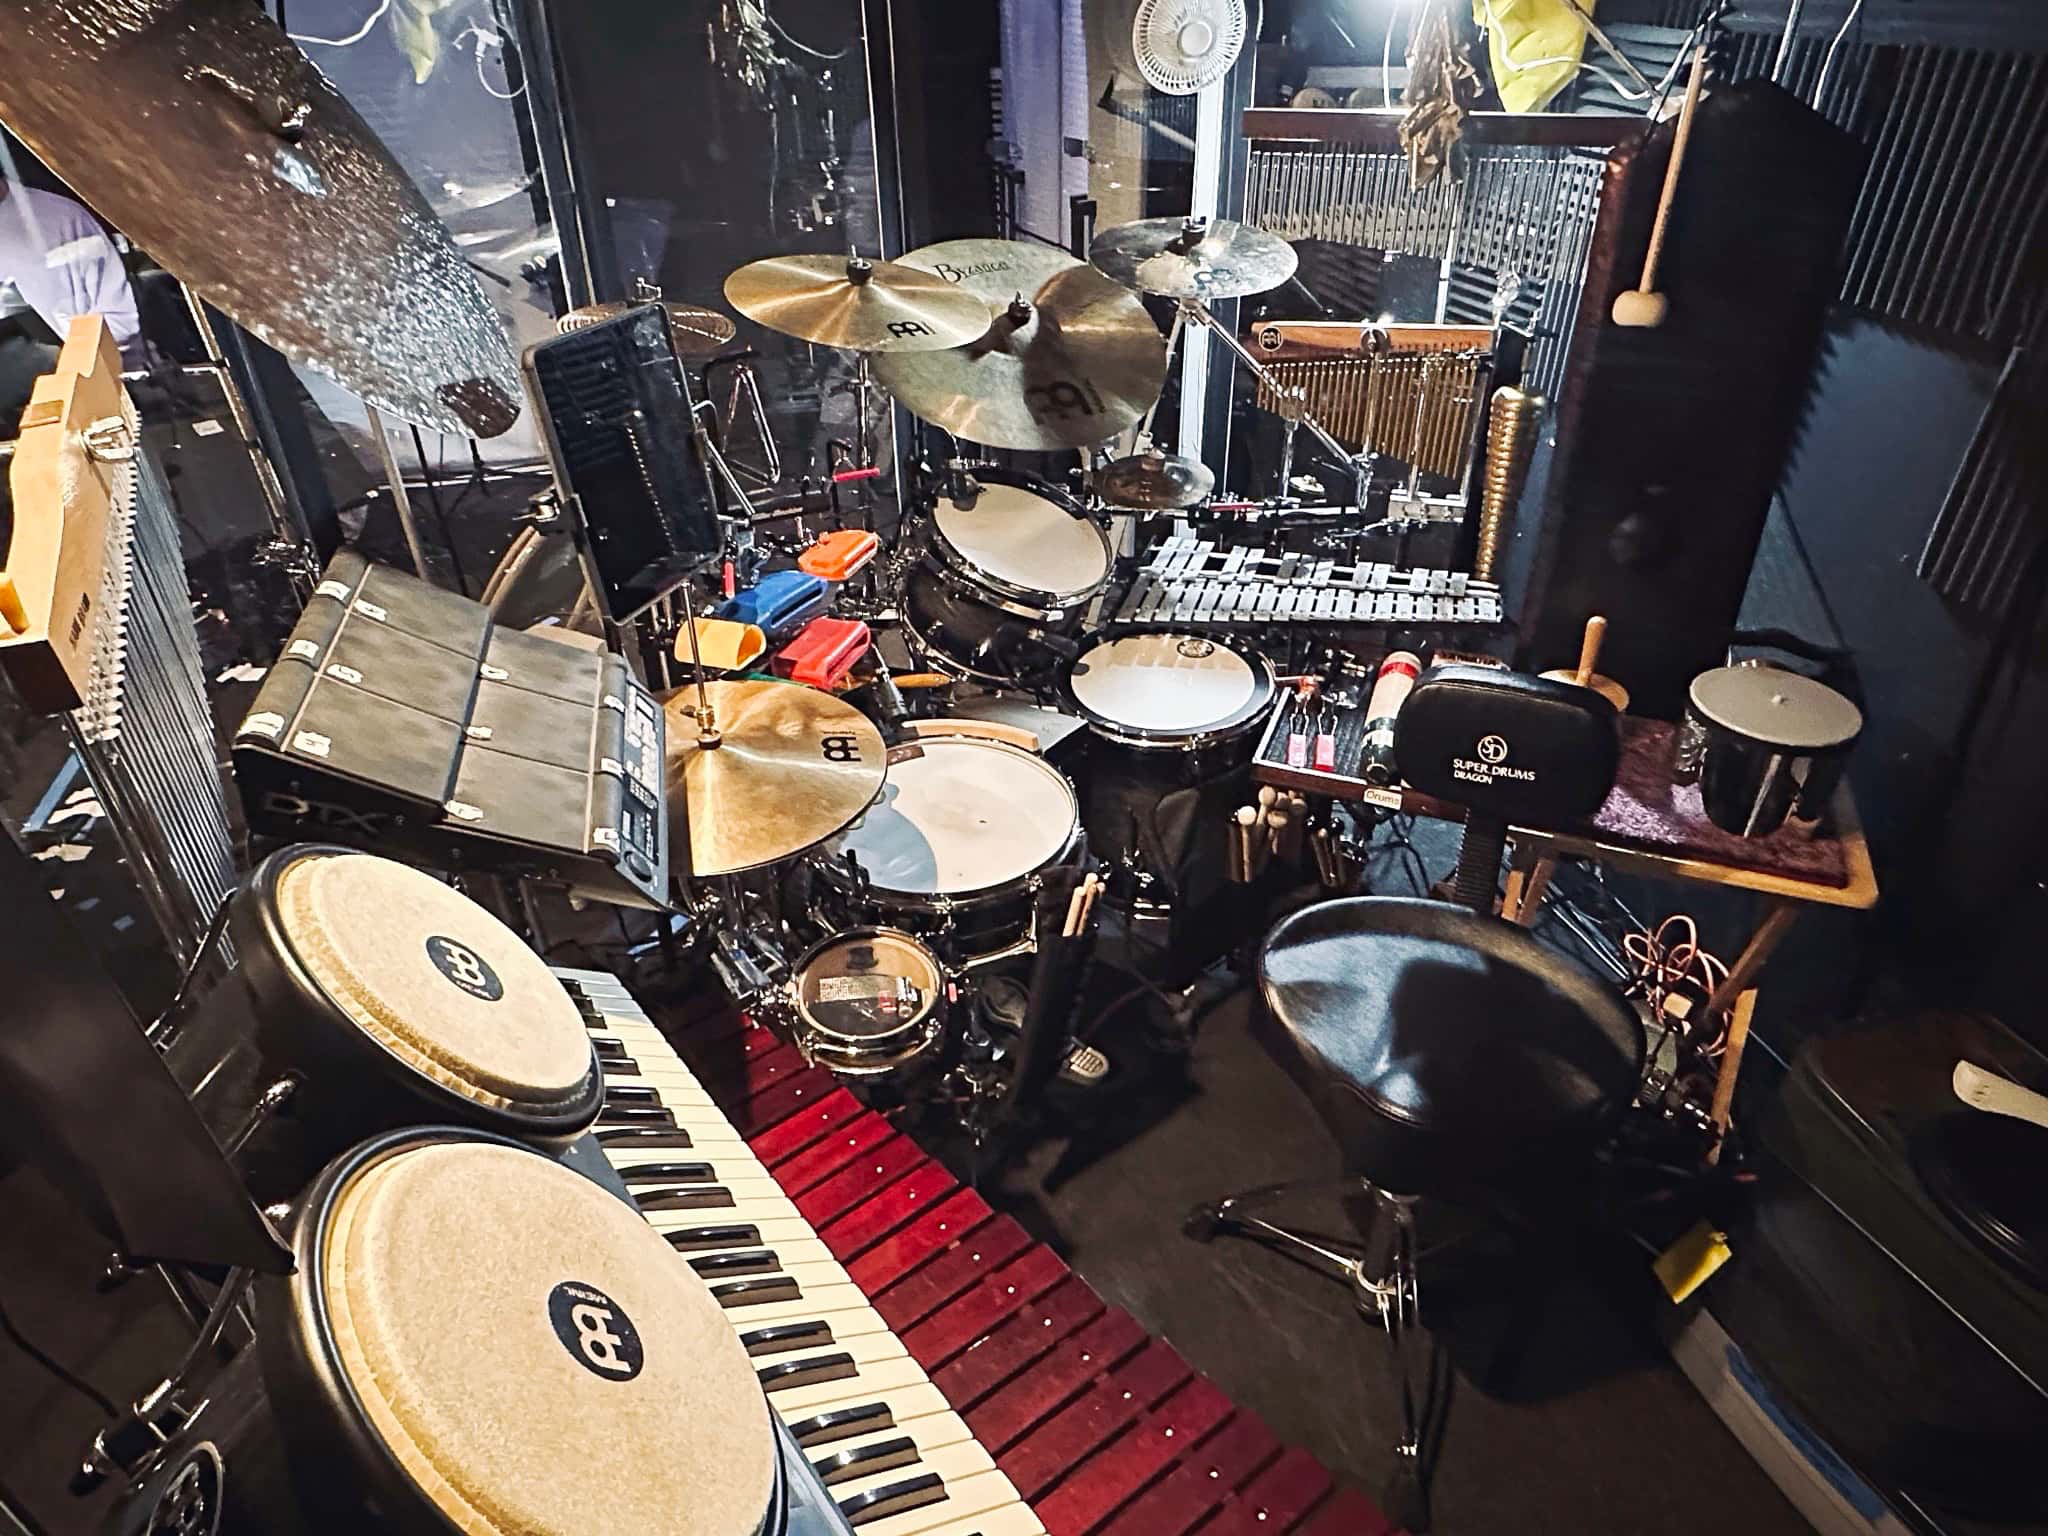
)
(896, 1457)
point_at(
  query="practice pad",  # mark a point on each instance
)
(534, 1354)
(435, 979)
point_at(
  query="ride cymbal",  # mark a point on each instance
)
(845, 301)
(792, 766)
(698, 332)
(201, 132)
(1193, 258)
(1073, 364)
(1154, 482)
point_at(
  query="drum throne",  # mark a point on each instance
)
(1452, 1056)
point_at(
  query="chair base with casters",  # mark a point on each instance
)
(1450, 1054)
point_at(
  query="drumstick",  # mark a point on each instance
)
(1072, 925)
(1090, 889)
(1268, 798)
(1731, 1063)
(1250, 839)
(1589, 649)
(1237, 845)
(1645, 306)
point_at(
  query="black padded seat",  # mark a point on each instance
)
(1443, 1046)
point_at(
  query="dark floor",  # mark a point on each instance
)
(1602, 1434)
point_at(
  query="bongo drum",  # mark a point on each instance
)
(479, 1339)
(367, 996)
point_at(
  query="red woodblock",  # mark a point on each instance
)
(973, 1313)
(830, 1154)
(777, 1144)
(1278, 1499)
(1005, 1415)
(1087, 1497)
(901, 1258)
(1018, 1343)
(1347, 1512)
(858, 1180)
(944, 1275)
(882, 1213)
(1185, 1497)
(773, 1105)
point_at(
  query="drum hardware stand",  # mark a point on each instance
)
(400, 502)
(131, 1444)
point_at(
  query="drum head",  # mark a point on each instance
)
(1025, 542)
(1168, 685)
(434, 979)
(960, 816)
(868, 988)
(511, 1331)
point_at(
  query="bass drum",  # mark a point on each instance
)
(1022, 556)
(539, 578)
(368, 996)
(955, 848)
(468, 1323)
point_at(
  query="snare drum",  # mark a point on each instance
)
(368, 996)
(1023, 555)
(868, 1002)
(469, 1322)
(958, 843)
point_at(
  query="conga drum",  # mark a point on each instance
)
(368, 995)
(479, 1339)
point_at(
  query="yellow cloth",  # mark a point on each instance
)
(1532, 30)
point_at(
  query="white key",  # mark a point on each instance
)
(932, 1432)
(846, 1322)
(824, 1302)
(1006, 1520)
(879, 1384)
(973, 1495)
(771, 1233)
(957, 1465)
(906, 1405)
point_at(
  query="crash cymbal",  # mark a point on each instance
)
(699, 333)
(792, 767)
(1154, 482)
(995, 270)
(1193, 258)
(844, 301)
(203, 134)
(1074, 364)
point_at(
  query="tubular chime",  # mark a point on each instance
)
(1420, 408)
(1511, 430)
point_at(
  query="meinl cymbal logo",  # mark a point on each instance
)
(596, 1331)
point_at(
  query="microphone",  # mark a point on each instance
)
(962, 489)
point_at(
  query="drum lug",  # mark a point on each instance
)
(271, 1102)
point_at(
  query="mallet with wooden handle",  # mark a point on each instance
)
(1644, 306)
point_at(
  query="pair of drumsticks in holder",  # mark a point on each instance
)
(1081, 906)
(1275, 831)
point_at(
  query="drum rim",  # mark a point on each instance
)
(321, 1413)
(1043, 599)
(982, 895)
(1265, 688)
(859, 1045)
(267, 961)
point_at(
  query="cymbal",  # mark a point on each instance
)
(1074, 363)
(994, 270)
(1193, 259)
(699, 332)
(1154, 482)
(792, 767)
(867, 306)
(203, 134)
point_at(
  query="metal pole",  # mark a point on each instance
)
(399, 499)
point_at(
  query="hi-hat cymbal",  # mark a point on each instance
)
(792, 767)
(1193, 258)
(844, 301)
(1074, 363)
(699, 333)
(201, 132)
(1154, 482)
(995, 270)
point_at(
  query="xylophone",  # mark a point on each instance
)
(1189, 582)
(952, 1376)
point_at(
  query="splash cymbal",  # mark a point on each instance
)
(1073, 363)
(792, 766)
(1193, 258)
(865, 306)
(200, 131)
(1154, 482)
(698, 332)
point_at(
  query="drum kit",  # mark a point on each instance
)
(904, 874)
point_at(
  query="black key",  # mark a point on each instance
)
(631, 1093)
(683, 1197)
(617, 1066)
(696, 1239)
(840, 1423)
(893, 1499)
(669, 1173)
(635, 1114)
(758, 1261)
(866, 1460)
(804, 1373)
(624, 1136)
(756, 1293)
(608, 1045)
(784, 1337)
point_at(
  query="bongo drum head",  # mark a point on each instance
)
(1025, 541)
(960, 815)
(535, 1356)
(434, 979)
